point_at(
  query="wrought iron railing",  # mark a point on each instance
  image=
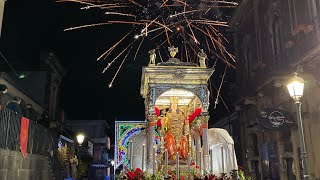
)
(39, 137)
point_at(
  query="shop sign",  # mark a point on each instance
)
(275, 119)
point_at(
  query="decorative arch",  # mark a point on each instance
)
(201, 91)
(124, 132)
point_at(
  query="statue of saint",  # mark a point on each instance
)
(175, 131)
(153, 56)
(202, 58)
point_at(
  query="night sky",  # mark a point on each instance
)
(28, 30)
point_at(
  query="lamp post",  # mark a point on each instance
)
(113, 170)
(80, 139)
(295, 88)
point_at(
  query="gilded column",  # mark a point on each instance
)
(152, 123)
(204, 120)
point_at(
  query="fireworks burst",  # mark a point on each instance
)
(189, 24)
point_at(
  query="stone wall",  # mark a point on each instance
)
(14, 167)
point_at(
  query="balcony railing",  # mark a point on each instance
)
(39, 137)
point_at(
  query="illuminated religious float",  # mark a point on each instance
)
(175, 138)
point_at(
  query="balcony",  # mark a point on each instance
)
(39, 137)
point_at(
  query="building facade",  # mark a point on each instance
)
(96, 132)
(272, 40)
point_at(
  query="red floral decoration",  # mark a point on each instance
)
(138, 172)
(195, 114)
(131, 175)
(159, 123)
(157, 110)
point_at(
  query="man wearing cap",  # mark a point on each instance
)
(3, 91)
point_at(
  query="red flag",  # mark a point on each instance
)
(24, 136)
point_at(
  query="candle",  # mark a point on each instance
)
(233, 157)
(222, 158)
(177, 168)
(166, 164)
(211, 161)
(143, 151)
(189, 159)
(131, 155)
(154, 160)
(200, 165)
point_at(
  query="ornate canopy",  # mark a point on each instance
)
(185, 80)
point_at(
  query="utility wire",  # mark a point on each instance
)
(9, 64)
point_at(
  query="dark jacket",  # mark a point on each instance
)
(31, 114)
(14, 106)
(2, 103)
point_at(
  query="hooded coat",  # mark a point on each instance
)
(14, 106)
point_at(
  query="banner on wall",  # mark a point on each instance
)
(24, 130)
(275, 119)
(90, 148)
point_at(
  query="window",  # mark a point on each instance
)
(276, 40)
(255, 144)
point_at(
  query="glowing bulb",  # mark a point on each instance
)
(136, 36)
(178, 29)
(110, 85)
(171, 16)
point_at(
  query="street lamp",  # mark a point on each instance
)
(113, 170)
(295, 88)
(80, 139)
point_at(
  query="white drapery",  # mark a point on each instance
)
(138, 142)
(220, 137)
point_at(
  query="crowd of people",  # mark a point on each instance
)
(19, 106)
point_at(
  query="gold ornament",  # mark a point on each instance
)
(173, 51)
(174, 100)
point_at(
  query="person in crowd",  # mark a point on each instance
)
(44, 120)
(31, 113)
(74, 163)
(3, 91)
(14, 105)
(23, 107)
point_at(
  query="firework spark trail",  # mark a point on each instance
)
(115, 75)
(193, 36)
(121, 14)
(223, 47)
(138, 49)
(110, 63)
(224, 2)
(85, 26)
(164, 3)
(191, 21)
(186, 12)
(114, 46)
(211, 39)
(158, 35)
(215, 88)
(207, 43)
(168, 39)
(96, 6)
(115, 7)
(134, 2)
(159, 54)
(218, 92)
(163, 25)
(146, 28)
(77, 1)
